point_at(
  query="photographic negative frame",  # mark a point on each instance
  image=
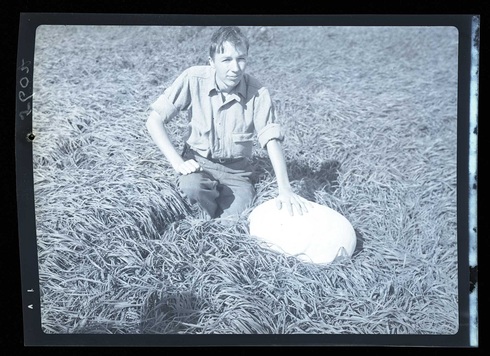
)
(58, 49)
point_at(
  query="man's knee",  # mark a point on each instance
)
(188, 182)
(195, 184)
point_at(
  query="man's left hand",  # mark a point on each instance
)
(293, 203)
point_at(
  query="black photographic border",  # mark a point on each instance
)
(467, 25)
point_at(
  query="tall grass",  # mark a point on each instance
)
(369, 116)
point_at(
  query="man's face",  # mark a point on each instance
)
(229, 65)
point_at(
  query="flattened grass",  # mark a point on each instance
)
(370, 122)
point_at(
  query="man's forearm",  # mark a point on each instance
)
(276, 156)
(159, 135)
(286, 196)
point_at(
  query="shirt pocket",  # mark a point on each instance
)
(242, 144)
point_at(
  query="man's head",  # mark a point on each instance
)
(228, 56)
(230, 34)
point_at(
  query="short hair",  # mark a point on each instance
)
(231, 34)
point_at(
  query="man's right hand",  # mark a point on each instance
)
(188, 167)
(159, 135)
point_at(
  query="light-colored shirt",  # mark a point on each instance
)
(220, 128)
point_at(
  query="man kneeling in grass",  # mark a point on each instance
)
(227, 107)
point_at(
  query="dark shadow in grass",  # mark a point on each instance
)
(310, 180)
(305, 179)
(170, 314)
(359, 243)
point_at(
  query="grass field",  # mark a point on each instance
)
(369, 115)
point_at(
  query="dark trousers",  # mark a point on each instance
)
(221, 189)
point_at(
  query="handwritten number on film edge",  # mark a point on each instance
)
(24, 83)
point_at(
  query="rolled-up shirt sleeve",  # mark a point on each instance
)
(265, 120)
(269, 132)
(175, 98)
(164, 107)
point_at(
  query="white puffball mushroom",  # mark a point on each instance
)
(318, 236)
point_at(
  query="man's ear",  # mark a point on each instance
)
(211, 62)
